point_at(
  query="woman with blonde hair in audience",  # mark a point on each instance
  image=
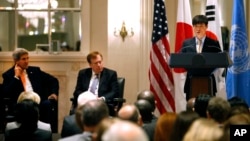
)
(205, 130)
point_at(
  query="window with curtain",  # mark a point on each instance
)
(38, 24)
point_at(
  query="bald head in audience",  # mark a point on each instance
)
(131, 113)
(124, 131)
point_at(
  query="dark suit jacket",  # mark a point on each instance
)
(108, 85)
(85, 136)
(70, 126)
(189, 46)
(38, 135)
(149, 128)
(42, 83)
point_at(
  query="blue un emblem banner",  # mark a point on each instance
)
(239, 132)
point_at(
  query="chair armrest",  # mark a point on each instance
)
(119, 100)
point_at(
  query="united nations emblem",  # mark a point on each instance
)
(238, 50)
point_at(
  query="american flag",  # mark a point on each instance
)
(160, 74)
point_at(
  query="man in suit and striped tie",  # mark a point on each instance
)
(199, 44)
(101, 81)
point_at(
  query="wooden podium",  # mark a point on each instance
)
(200, 66)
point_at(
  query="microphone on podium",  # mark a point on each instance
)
(189, 48)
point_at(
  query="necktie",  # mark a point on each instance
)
(23, 79)
(94, 84)
(199, 46)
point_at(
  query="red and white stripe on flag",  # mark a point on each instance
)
(160, 74)
(214, 32)
(184, 31)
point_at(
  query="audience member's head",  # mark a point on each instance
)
(145, 109)
(238, 105)
(200, 104)
(164, 127)
(149, 96)
(131, 113)
(239, 119)
(182, 123)
(85, 97)
(124, 131)
(81, 100)
(29, 95)
(190, 104)
(218, 109)
(27, 114)
(103, 127)
(92, 113)
(204, 130)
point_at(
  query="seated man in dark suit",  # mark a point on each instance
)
(22, 77)
(99, 80)
(199, 44)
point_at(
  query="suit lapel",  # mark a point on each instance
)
(88, 77)
(102, 77)
(193, 43)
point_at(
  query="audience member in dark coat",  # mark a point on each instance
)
(72, 124)
(93, 112)
(148, 119)
(27, 115)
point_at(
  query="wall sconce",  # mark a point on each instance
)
(124, 32)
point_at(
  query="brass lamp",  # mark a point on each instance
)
(123, 32)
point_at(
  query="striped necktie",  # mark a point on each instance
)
(94, 84)
(199, 49)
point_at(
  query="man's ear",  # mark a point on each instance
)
(208, 115)
(140, 122)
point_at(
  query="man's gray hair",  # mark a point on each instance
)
(124, 131)
(18, 53)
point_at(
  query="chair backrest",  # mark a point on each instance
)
(121, 84)
(120, 100)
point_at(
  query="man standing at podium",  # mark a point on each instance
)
(199, 44)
